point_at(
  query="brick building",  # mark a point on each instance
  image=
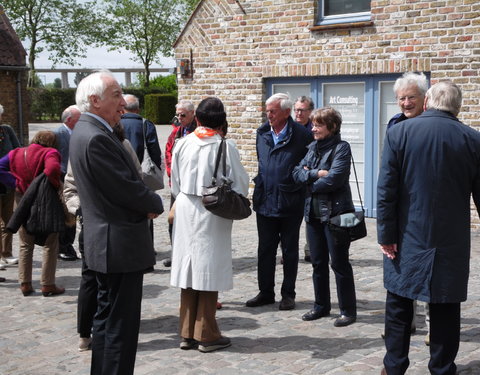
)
(345, 54)
(13, 78)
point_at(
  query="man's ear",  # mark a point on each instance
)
(425, 103)
(94, 100)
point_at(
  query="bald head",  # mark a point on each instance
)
(133, 104)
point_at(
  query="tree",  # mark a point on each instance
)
(79, 76)
(147, 28)
(62, 27)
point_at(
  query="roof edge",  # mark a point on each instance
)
(187, 23)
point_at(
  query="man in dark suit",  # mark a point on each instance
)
(430, 168)
(278, 200)
(70, 117)
(116, 207)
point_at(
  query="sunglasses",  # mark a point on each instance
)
(180, 115)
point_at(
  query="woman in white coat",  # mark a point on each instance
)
(201, 248)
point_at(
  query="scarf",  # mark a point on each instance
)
(204, 132)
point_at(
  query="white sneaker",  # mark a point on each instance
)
(84, 344)
(10, 260)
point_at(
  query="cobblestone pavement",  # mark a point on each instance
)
(38, 334)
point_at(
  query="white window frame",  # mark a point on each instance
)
(340, 18)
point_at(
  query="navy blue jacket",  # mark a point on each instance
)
(133, 126)
(334, 189)
(276, 194)
(430, 167)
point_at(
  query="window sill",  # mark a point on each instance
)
(342, 25)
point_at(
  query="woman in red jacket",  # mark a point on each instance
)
(25, 164)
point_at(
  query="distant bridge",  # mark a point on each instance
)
(127, 71)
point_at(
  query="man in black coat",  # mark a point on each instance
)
(278, 200)
(430, 167)
(116, 207)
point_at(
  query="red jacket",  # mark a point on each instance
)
(176, 133)
(28, 162)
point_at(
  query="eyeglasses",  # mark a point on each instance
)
(300, 110)
(180, 115)
(410, 98)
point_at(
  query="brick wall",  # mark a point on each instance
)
(8, 99)
(234, 51)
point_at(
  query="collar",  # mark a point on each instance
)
(102, 121)
(68, 129)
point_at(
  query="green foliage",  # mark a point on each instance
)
(48, 104)
(166, 83)
(160, 108)
(62, 27)
(147, 28)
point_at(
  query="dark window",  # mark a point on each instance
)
(338, 7)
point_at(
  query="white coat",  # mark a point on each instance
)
(202, 242)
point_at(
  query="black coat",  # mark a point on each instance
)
(276, 194)
(40, 211)
(430, 167)
(332, 190)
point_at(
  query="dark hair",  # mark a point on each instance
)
(45, 138)
(211, 113)
(119, 131)
(328, 116)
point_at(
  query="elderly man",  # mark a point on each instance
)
(70, 117)
(139, 130)
(116, 207)
(429, 170)
(277, 200)
(303, 108)
(410, 90)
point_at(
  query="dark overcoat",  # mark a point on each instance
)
(115, 201)
(276, 194)
(430, 166)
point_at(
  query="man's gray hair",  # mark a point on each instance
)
(186, 105)
(1, 109)
(91, 85)
(305, 99)
(132, 102)
(411, 79)
(284, 99)
(445, 96)
(68, 112)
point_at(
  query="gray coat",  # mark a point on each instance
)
(430, 166)
(115, 201)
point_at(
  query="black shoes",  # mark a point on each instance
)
(344, 320)
(287, 303)
(167, 262)
(207, 347)
(67, 253)
(260, 300)
(314, 315)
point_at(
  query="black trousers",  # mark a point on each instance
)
(444, 335)
(66, 239)
(323, 247)
(116, 324)
(87, 295)
(271, 232)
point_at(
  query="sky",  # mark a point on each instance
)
(98, 58)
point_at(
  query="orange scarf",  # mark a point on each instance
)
(204, 132)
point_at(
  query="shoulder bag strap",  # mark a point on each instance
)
(217, 162)
(356, 180)
(144, 128)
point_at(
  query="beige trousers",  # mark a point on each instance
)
(25, 259)
(6, 211)
(197, 315)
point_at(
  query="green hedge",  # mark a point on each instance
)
(47, 104)
(160, 108)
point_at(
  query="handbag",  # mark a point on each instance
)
(152, 176)
(219, 198)
(350, 225)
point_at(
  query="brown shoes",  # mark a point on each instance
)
(26, 289)
(51, 290)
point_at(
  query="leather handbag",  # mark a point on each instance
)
(219, 198)
(350, 225)
(152, 176)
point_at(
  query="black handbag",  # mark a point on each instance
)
(220, 199)
(349, 225)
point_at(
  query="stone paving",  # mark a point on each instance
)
(38, 334)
